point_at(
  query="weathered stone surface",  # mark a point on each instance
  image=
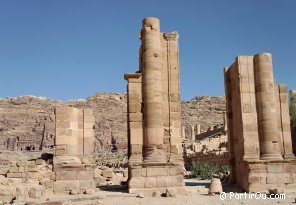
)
(85, 175)
(47, 183)
(73, 158)
(65, 186)
(274, 168)
(13, 169)
(156, 194)
(36, 192)
(259, 133)
(4, 170)
(215, 186)
(32, 168)
(21, 163)
(89, 191)
(39, 161)
(107, 173)
(75, 191)
(154, 113)
(7, 194)
(34, 175)
(171, 192)
(87, 184)
(140, 195)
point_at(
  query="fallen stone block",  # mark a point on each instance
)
(40, 162)
(65, 186)
(36, 192)
(170, 192)
(13, 169)
(32, 168)
(4, 170)
(107, 173)
(89, 191)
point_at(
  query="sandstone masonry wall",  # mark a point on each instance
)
(259, 135)
(73, 152)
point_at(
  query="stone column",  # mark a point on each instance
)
(192, 133)
(134, 117)
(197, 129)
(285, 122)
(225, 121)
(11, 142)
(183, 132)
(266, 107)
(152, 91)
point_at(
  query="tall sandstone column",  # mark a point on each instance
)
(152, 91)
(266, 107)
(197, 128)
(192, 133)
(154, 115)
(225, 121)
(183, 132)
(285, 122)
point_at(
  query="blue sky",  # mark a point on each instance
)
(70, 49)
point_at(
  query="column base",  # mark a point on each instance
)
(154, 155)
(271, 157)
(289, 156)
(150, 177)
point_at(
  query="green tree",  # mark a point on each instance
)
(292, 109)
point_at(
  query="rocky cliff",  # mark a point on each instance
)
(30, 119)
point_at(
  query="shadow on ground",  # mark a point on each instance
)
(197, 183)
(114, 188)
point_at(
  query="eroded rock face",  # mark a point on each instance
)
(30, 119)
(204, 110)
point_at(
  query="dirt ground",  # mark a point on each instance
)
(197, 194)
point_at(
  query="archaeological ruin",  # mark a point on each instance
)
(259, 133)
(154, 114)
(73, 152)
(210, 146)
(147, 140)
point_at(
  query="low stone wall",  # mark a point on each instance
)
(211, 143)
(31, 179)
(212, 158)
(25, 179)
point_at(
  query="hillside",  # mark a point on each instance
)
(31, 118)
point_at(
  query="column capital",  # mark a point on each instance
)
(171, 36)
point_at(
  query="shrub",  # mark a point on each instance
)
(206, 170)
(292, 110)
